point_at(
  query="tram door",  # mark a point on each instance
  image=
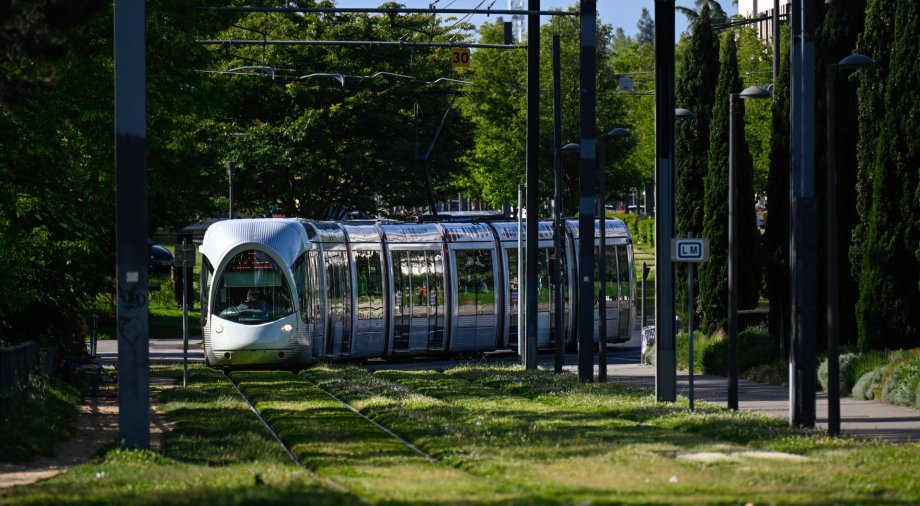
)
(338, 290)
(308, 279)
(369, 322)
(419, 301)
(477, 300)
(612, 292)
(625, 296)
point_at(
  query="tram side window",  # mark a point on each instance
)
(625, 288)
(369, 277)
(610, 266)
(475, 282)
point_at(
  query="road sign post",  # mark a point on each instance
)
(690, 250)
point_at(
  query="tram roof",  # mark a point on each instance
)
(615, 228)
(467, 232)
(283, 235)
(411, 232)
(508, 231)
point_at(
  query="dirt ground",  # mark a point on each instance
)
(95, 426)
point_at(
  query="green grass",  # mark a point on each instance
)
(500, 435)
(33, 423)
(218, 453)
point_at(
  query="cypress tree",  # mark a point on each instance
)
(890, 262)
(696, 91)
(713, 300)
(836, 38)
(776, 236)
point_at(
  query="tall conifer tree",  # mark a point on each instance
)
(890, 263)
(714, 274)
(696, 91)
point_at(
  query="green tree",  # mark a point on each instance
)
(776, 236)
(696, 91)
(890, 266)
(836, 38)
(714, 273)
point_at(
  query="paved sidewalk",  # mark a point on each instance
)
(862, 418)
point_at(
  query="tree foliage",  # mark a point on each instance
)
(889, 254)
(714, 273)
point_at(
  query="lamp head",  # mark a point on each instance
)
(855, 61)
(618, 132)
(572, 146)
(683, 113)
(753, 92)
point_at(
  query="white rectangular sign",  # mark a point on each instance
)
(694, 249)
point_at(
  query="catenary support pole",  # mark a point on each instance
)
(665, 357)
(586, 205)
(131, 223)
(533, 176)
(558, 302)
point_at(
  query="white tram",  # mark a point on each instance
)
(289, 292)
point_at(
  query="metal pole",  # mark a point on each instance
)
(533, 176)
(665, 358)
(132, 249)
(558, 302)
(185, 311)
(732, 257)
(644, 271)
(231, 165)
(690, 313)
(776, 43)
(602, 269)
(520, 273)
(833, 337)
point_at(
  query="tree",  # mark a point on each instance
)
(776, 236)
(889, 257)
(716, 12)
(646, 27)
(696, 91)
(714, 273)
(836, 38)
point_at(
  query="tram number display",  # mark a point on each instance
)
(460, 57)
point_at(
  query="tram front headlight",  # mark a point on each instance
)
(218, 328)
(287, 327)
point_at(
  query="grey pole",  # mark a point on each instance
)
(533, 175)
(803, 244)
(833, 329)
(131, 223)
(520, 273)
(558, 303)
(185, 311)
(602, 255)
(752, 92)
(690, 324)
(231, 165)
(665, 357)
(586, 207)
(732, 259)
(776, 43)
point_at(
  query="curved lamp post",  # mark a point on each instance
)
(602, 267)
(752, 92)
(853, 61)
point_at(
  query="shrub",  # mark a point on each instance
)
(901, 378)
(755, 347)
(845, 360)
(862, 364)
(865, 388)
(631, 220)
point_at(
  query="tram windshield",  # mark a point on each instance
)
(252, 289)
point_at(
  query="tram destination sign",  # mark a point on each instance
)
(695, 249)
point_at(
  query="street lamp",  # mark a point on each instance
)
(557, 260)
(602, 267)
(752, 92)
(853, 61)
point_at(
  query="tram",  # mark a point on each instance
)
(287, 292)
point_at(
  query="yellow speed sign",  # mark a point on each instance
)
(460, 57)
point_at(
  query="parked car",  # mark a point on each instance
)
(161, 259)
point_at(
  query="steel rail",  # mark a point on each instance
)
(328, 481)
